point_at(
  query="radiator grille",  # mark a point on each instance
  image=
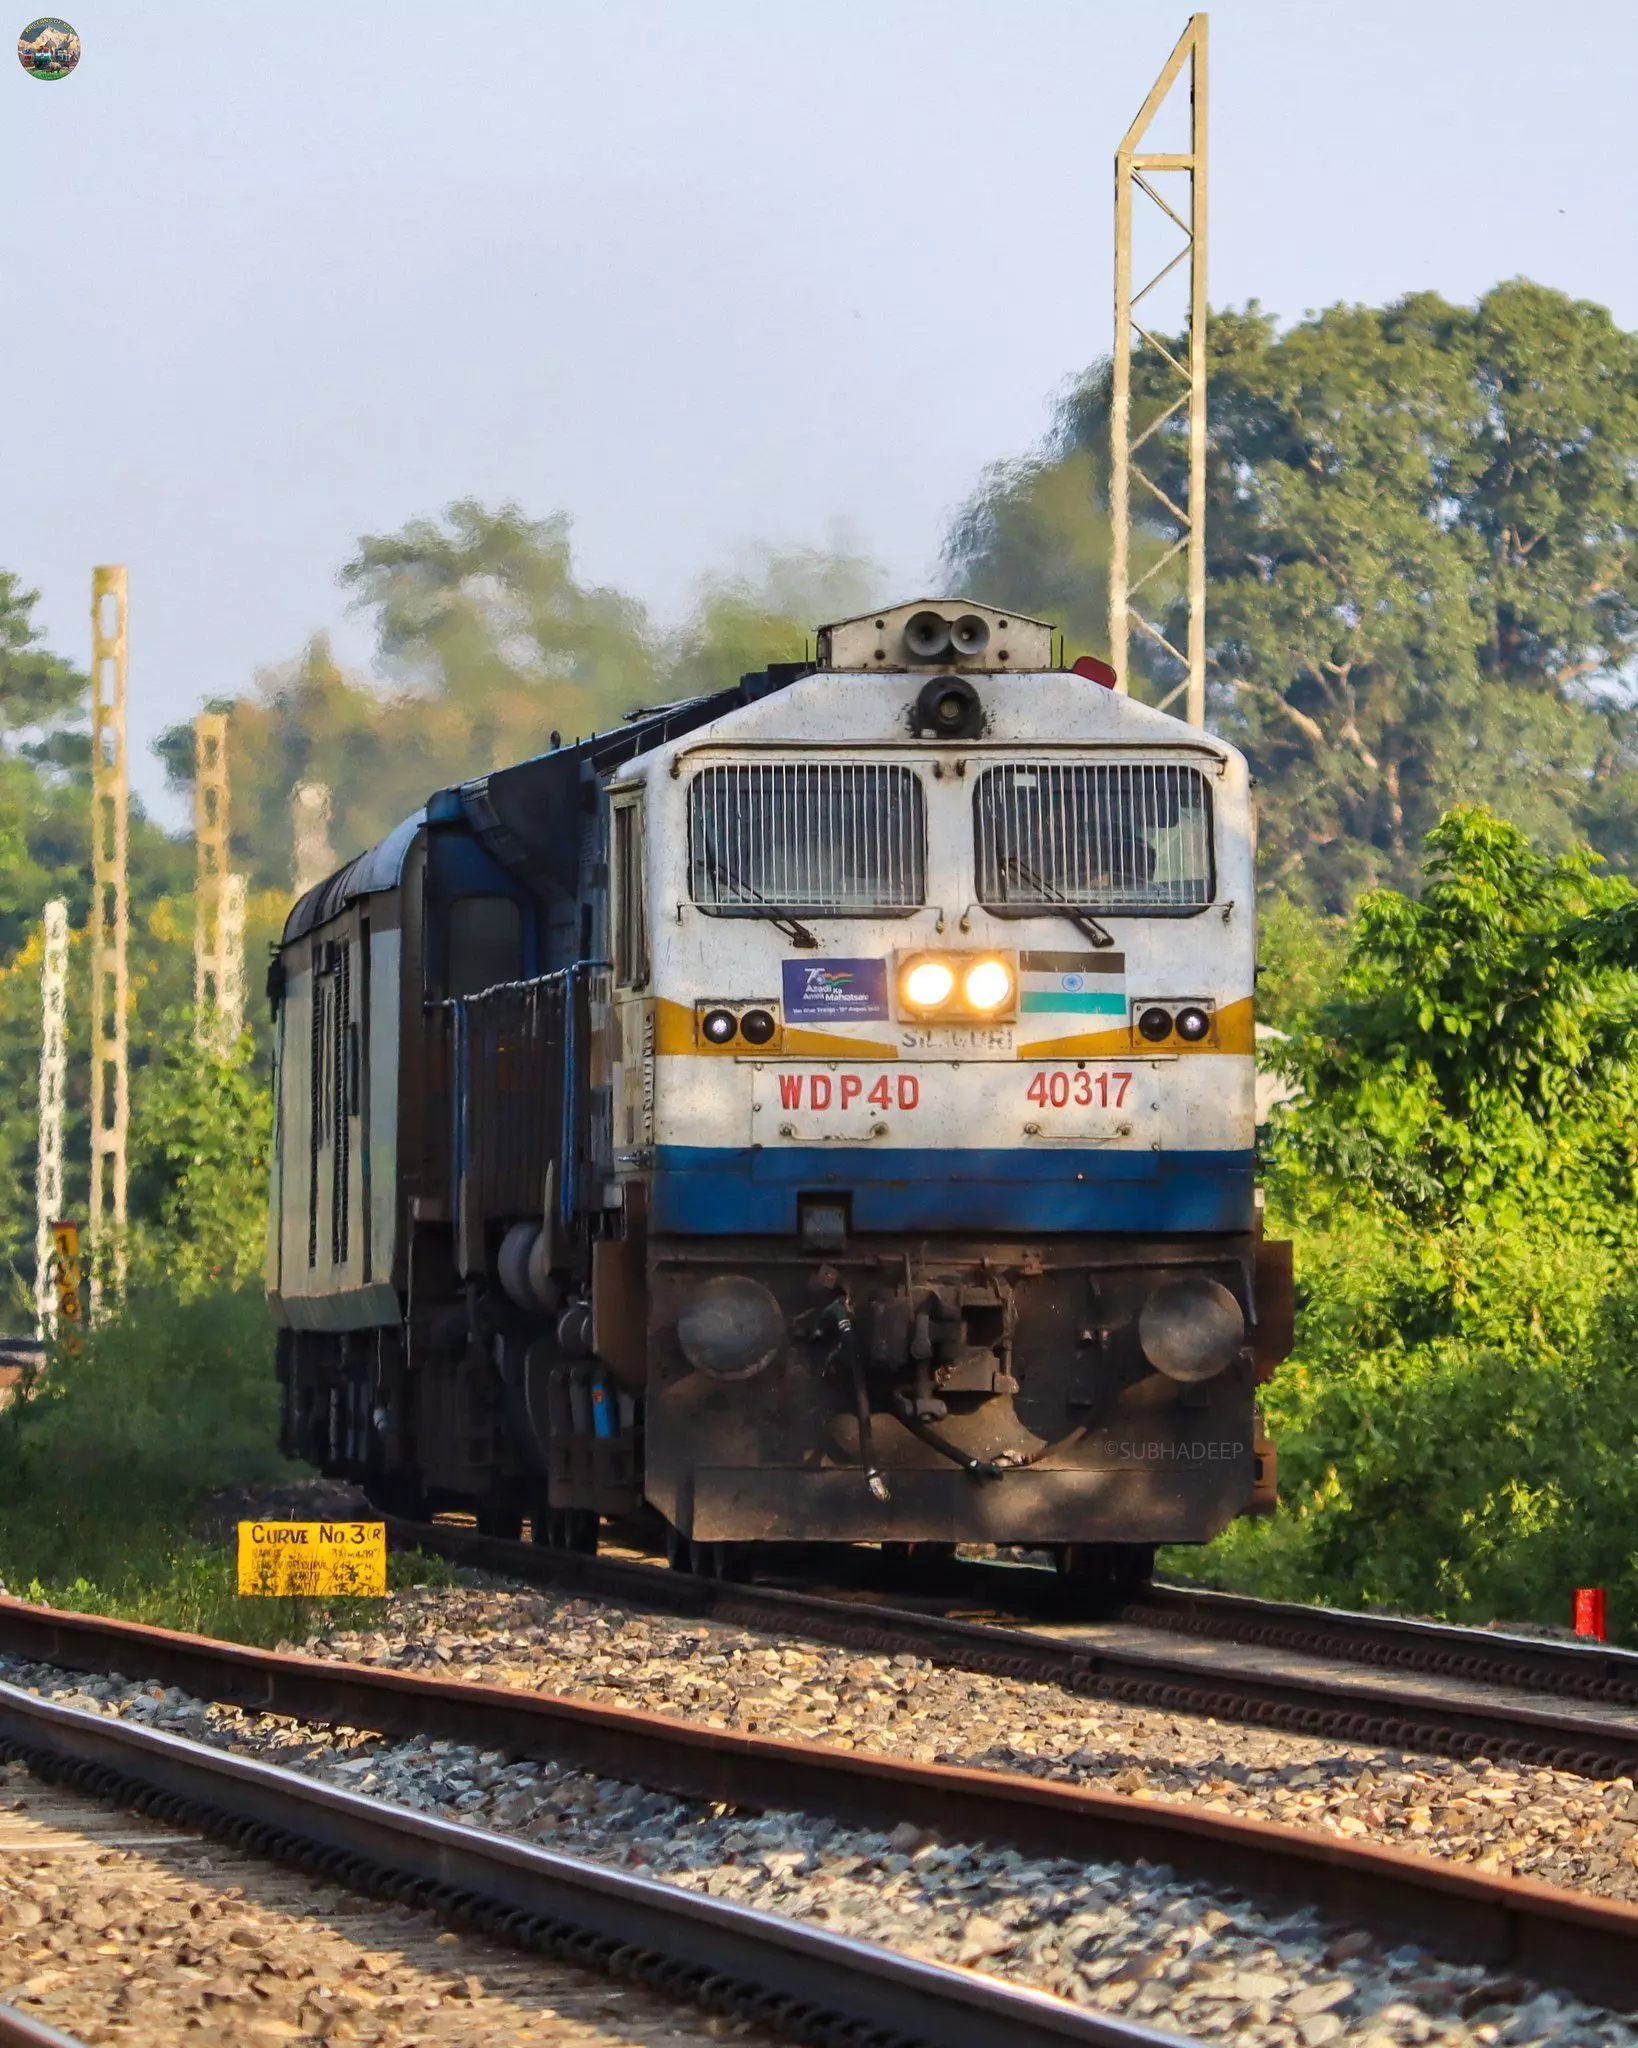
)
(1133, 837)
(818, 838)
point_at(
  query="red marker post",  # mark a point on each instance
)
(1589, 1611)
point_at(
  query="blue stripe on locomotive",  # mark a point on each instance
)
(719, 1191)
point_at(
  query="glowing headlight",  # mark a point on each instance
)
(988, 985)
(929, 983)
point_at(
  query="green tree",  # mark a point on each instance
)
(1459, 1422)
(1423, 586)
(492, 643)
(203, 1134)
(45, 851)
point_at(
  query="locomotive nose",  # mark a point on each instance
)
(1191, 1329)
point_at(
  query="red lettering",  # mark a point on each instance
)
(881, 1094)
(1058, 1089)
(1083, 1086)
(909, 1091)
(790, 1091)
(819, 1091)
(1036, 1091)
(852, 1088)
(1125, 1081)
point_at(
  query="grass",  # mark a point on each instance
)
(104, 1465)
(191, 1585)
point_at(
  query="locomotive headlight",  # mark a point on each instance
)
(928, 983)
(988, 985)
(1191, 1329)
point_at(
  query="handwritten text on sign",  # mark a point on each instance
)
(323, 1558)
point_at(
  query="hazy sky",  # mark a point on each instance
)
(705, 274)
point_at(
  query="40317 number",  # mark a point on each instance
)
(1060, 1089)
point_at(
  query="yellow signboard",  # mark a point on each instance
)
(323, 1558)
(65, 1248)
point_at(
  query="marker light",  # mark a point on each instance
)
(1193, 1023)
(929, 983)
(718, 1026)
(988, 985)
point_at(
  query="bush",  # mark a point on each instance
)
(1458, 1427)
(103, 1464)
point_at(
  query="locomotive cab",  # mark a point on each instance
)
(853, 1140)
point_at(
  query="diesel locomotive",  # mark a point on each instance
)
(821, 1111)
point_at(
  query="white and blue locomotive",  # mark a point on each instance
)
(822, 1111)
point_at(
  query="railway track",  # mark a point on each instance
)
(17, 2030)
(1456, 1692)
(1588, 1946)
(793, 1979)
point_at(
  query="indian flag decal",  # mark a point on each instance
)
(1072, 984)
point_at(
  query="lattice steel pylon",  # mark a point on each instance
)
(218, 936)
(110, 931)
(1132, 164)
(48, 1176)
(310, 834)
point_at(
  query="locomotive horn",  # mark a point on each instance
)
(927, 635)
(970, 635)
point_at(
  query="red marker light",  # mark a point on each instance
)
(1588, 1611)
(1095, 671)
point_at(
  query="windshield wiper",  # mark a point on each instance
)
(792, 927)
(1084, 923)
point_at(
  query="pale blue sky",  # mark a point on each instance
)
(703, 273)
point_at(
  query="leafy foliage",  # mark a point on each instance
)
(1423, 581)
(495, 644)
(1459, 1425)
(204, 1135)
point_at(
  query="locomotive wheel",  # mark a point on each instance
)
(1108, 1573)
(920, 1564)
(705, 1560)
(575, 1529)
(722, 1561)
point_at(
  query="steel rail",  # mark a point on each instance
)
(784, 1974)
(1301, 1703)
(17, 2030)
(1587, 1945)
(1569, 1669)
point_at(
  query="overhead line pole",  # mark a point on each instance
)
(1132, 164)
(210, 839)
(48, 1177)
(110, 930)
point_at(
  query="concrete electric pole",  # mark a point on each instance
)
(310, 834)
(218, 896)
(48, 1178)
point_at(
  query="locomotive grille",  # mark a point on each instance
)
(816, 837)
(1111, 837)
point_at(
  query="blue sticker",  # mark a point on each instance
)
(833, 991)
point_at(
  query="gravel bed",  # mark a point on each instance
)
(121, 1931)
(1515, 1821)
(1121, 1938)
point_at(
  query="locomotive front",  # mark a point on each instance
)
(932, 1102)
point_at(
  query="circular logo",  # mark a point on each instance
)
(48, 48)
(1072, 984)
